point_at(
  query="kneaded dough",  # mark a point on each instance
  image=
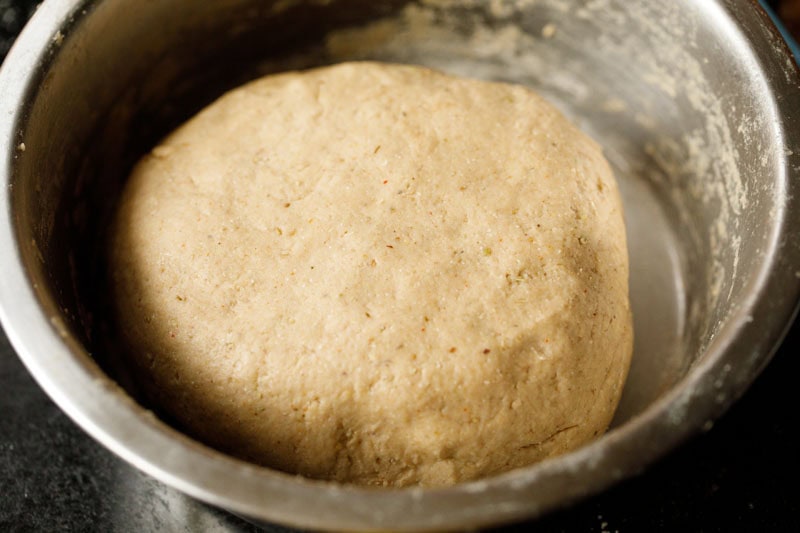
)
(377, 274)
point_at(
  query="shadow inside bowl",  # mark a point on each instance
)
(691, 150)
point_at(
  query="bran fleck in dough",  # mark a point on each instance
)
(377, 274)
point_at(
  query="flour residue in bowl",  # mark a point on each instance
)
(654, 108)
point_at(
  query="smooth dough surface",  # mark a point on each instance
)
(377, 274)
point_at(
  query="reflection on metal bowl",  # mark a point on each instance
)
(693, 102)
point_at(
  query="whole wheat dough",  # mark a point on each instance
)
(377, 274)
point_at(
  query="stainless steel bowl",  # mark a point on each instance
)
(695, 102)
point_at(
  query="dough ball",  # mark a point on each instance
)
(377, 274)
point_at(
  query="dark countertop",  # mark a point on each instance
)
(736, 477)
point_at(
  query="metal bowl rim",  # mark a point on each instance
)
(97, 404)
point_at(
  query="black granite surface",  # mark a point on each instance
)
(739, 476)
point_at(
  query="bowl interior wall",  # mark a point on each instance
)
(691, 150)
